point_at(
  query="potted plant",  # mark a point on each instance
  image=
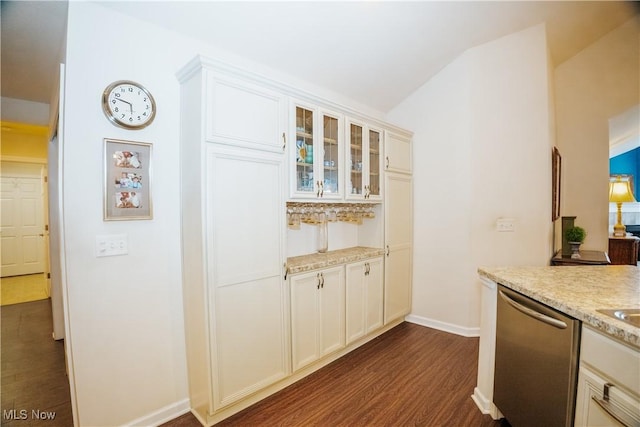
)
(575, 237)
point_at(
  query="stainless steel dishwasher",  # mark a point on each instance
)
(536, 368)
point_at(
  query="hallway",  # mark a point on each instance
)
(35, 387)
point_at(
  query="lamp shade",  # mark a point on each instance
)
(620, 191)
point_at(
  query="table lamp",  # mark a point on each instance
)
(619, 193)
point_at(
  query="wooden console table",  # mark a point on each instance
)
(586, 258)
(624, 250)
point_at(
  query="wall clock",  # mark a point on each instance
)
(128, 104)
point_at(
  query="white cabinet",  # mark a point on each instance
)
(317, 315)
(241, 113)
(364, 298)
(236, 301)
(398, 233)
(397, 153)
(608, 382)
(317, 154)
(364, 161)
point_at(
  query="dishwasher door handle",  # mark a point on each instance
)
(536, 315)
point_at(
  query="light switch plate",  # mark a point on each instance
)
(506, 225)
(112, 245)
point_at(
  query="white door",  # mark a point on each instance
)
(22, 219)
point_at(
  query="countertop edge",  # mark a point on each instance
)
(316, 261)
(611, 327)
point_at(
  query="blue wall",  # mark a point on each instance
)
(628, 164)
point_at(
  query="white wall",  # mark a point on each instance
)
(595, 85)
(21, 111)
(125, 313)
(482, 151)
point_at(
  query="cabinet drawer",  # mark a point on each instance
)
(620, 363)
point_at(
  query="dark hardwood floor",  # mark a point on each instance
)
(410, 376)
(34, 383)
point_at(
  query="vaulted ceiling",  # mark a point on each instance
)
(376, 53)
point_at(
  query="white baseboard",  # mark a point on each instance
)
(485, 405)
(162, 415)
(443, 326)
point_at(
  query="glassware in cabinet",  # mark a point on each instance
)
(364, 162)
(305, 174)
(331, 155)
(356, 145)
(318, 155)
(373, 189)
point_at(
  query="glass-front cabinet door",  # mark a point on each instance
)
(304, 182)
(374, 165)
(317, 155)
(364, 156)
(355, 188)
(331, 156)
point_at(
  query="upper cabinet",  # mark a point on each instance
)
(241, 113)
(317, 154)
(397, 153)
(364, 161)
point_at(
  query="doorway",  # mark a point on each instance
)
(23, 218)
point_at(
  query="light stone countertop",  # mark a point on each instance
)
(303, 263)
(579, 291)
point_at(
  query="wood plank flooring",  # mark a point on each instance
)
(33, 377)
(410, 376)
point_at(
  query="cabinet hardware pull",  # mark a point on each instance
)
(318, 277)
(387, 250)
(387, 160)
(318, 192)
(284, 141)
(321, 188)
(286, 270)
(606, 406)
(322, 277)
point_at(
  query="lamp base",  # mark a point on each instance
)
(619, 230)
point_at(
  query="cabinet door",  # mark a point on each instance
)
(245, 252)
(332, 310)
(356, 303)
(305, 181)
(305, 319)
(243, 114)
(356, 160)
(373, 186)
(619, 405)
(374, 294)
(398, 246)
(364, 289)
(397, 151)
(317, 315)
(331, 156)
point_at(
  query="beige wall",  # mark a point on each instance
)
(22, 141)
(598, 83)
(482, 151)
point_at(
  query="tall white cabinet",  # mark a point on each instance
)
(249, 147)
(233, 182)
(398, 227)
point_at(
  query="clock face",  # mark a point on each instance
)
(128, 104)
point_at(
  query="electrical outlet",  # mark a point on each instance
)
(112, 245)
(505, 225)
